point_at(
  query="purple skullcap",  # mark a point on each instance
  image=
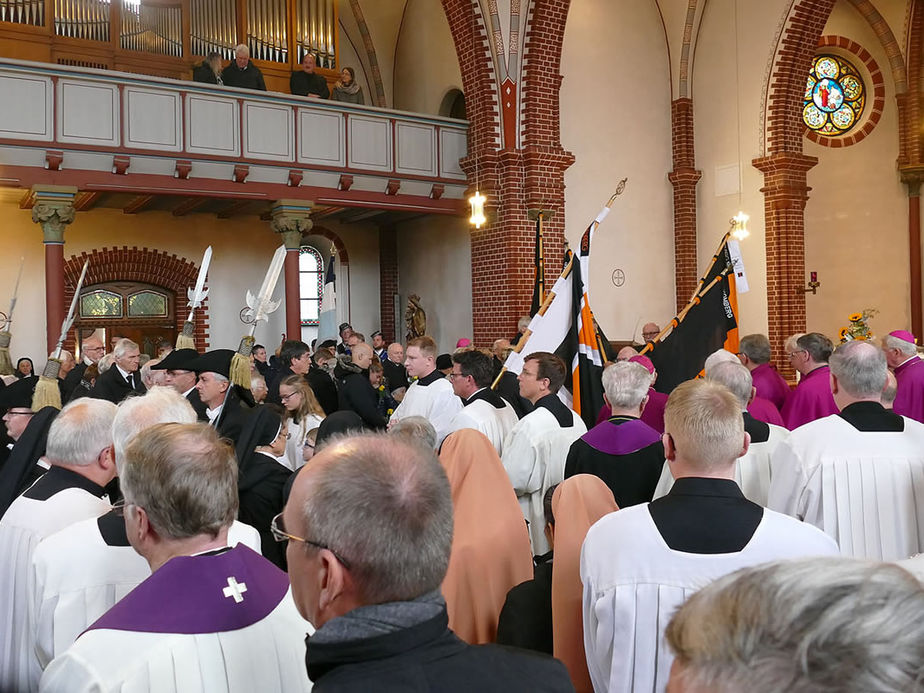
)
(645, 361)
(904, 335)
(464, 342)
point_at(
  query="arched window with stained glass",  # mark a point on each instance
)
(311, 284)
(834, 96)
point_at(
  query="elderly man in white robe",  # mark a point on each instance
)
(80, 572)
(210, 617)
(640, 563)
(859, 474)
(537, 447)
(483, 409)
(73, 489)
(752, 473)
(431, 395)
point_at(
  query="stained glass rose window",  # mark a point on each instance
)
(834, 96)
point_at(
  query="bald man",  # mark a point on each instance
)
(91, 351)
(356, 392)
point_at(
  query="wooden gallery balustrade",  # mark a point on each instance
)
(167, 38)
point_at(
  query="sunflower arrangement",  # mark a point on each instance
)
(858, 329)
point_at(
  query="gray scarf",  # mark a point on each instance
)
(380, 619)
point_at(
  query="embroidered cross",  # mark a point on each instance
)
(235, 589)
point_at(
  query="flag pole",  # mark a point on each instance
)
(564, 275)
(697, 297)
(699, 284)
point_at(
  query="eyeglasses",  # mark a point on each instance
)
(280, 535)
(793, 353)
(453, 376)
(286, 398)
(119, 507)
(20, 413)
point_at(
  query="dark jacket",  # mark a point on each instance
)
(324, 389)
(233, 416)
(272, 386)
(197, 404)
(395, 375)
(112, 386)
(358, 395)
(302, 84)
(526, 619)
(248, 78)
(204, 73)
(429, 657)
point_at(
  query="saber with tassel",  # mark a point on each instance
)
(6, 363)
(196, 296)
(258, 308)
(47, 392)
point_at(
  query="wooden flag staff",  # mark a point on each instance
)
(699, 284)
(697, 297)
(551, 295)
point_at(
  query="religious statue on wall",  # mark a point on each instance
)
(415, 318)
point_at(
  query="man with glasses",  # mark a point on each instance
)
(91, 351)
(649, 331)
(79, 451)
(812, 398)
(483, 409)
(210, 617)
(368, 575)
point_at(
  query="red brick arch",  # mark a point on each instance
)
(140, 265)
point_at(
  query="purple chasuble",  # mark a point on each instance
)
(621, 439)
(811, 400)
(909, 398)
(770, 385)
(201, 594)
(763, 410)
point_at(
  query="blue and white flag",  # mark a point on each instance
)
(327, 322)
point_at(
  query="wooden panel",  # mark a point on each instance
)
(88, 113)
(453, 146)
(321, 137)
(152, 119)
(26, 107)
(269, 131)
(416, 149)
(370, 143)
(212, 125)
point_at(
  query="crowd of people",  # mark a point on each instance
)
(306, 81)
(372, 516)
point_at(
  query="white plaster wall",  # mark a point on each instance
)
(434, 262)
(426, 66)
(726, 89)
(856, 218)
(615, 119)
(242, 249)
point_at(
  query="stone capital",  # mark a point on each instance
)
(291, 219)
(912, 177)
(53, 208)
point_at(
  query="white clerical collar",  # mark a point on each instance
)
(87, 361)
(213, 414)
(186, 394)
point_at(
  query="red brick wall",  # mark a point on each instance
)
(513, 179)
(684, 178)
(388, 280)
(140, 265)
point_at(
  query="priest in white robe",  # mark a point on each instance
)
(79, 450)
(431, 395)
(752, 472)
(537, 447)
(483, 409)
(210, 617)
(640, 563)
(857, 475)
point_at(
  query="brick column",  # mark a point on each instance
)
(53, 210)
(684, 178)
(388, 280)
(785, 194)
(290, 219)
(912, 178)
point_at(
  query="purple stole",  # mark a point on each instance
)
(763, 410)
(201, 594)
(909, 398)
(811, 400)
(770, 385)
(621, 439)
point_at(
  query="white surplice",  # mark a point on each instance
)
(24, 525)
(78, 577)
(862, 488)
(752, 471)
(633, 583)
(266, 656)
(436, 402)
(534, 457)
(483, 416)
